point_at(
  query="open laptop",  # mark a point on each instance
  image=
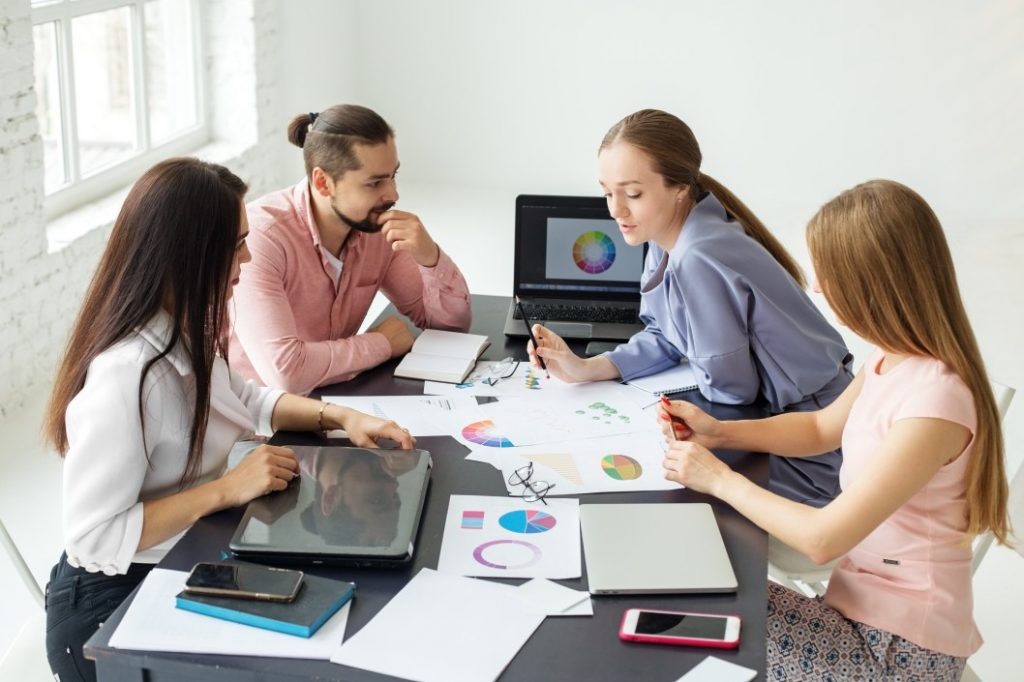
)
(573, 270)
(348, 507)
(654, 549)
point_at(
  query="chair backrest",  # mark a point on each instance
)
(1004, 396)
(19, 564)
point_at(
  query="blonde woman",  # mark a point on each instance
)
(923, 458)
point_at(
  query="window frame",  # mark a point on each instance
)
(80, 189)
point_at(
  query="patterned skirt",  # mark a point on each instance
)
(808, 640)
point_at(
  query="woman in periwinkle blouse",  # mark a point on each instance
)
(718, 289)
(145, 409)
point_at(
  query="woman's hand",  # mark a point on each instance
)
(690, 423)
(559, 360)
(695, 467)
(265, 469)
(366, 431)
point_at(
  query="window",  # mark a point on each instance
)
(118, 87)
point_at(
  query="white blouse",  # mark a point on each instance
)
(107, 476)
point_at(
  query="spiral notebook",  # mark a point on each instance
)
(676, 379)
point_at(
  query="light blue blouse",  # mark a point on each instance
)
(719, 299)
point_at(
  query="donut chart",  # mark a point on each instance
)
(527, 521)
(484, 433)
(534, 554)
(621, 467)
(593, 252)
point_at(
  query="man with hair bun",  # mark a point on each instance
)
(323, 248)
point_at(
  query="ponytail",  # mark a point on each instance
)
(328, 138)
(752, 225)
(676, 155)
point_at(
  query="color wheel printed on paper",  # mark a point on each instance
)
(621, 467)
(483, 433)
(593, 252)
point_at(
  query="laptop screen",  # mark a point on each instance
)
(346, 502)
(569, 247)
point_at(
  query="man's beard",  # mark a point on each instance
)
(368, 224)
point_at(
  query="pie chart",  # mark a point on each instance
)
(484, 433)
(593, 252)
(527, 521)
(621, 467)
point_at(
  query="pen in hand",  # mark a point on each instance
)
(529, 330)
(673, 422)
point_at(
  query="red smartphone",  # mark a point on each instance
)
(681, 628)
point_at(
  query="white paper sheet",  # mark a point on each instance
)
(422, 415)
(627, 463)
(443, 628)
(528, 382)
(503, 537)
(556, 600)
(154, 623)
(713, 669)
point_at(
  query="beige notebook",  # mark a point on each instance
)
(442, 356)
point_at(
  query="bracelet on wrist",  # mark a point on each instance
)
(320, 417)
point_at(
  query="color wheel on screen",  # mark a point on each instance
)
(527, 521)
(483, 433)
(593, 252)
(621, 467)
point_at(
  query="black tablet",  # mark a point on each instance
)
(349, 506)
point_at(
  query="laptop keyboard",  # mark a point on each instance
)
(578, 313)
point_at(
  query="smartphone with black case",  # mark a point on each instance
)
(244, 581)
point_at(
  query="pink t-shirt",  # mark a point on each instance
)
(294, 327)
(912, 575)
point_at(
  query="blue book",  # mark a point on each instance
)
(318, 599)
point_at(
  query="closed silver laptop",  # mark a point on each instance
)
(654, 549)
(573, 270)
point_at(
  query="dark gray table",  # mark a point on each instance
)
(561, 648)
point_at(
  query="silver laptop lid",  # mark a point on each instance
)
(654, 548)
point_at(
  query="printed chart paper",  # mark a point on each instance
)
(500, 537)
(627, 463)
(422, 415)
(530, 382)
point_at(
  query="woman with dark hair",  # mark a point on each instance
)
(145, 408)
(718, 289)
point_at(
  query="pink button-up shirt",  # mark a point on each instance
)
(912, 575)
(294, 329)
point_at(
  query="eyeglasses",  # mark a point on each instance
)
(494, 372)
(533, 490)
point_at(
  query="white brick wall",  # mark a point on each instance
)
(40, 292)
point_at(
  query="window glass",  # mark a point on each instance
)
(170, 68)
(47, 77)
(104, 97)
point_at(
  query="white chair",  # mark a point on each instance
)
(26, 657)
(792, 569)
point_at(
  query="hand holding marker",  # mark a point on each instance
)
(677, 427)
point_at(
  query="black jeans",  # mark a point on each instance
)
(77, 603)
